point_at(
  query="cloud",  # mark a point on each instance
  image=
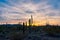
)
(54, 3)
(22, 9)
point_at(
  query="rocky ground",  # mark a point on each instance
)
(17, 33)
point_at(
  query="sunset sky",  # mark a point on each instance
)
(14, 11)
